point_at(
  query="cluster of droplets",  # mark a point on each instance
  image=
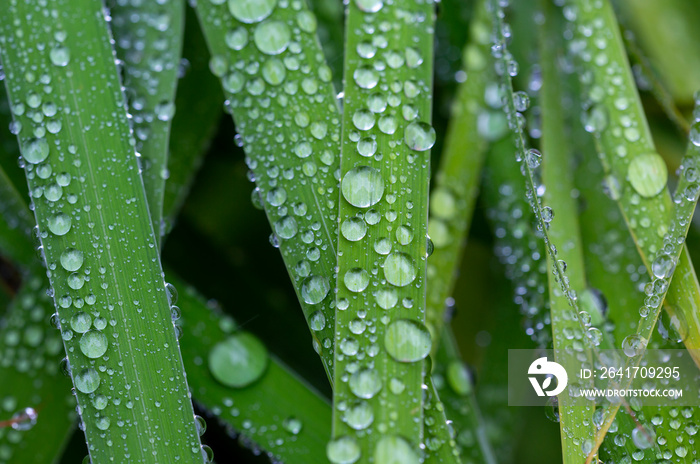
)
(376, 312)
(285, 108)
(31, 350)
(147, 44)
(55, 171)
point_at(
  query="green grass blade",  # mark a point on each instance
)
(629, 157)
(287, 115)
(198, 112)
(148, 39)
(457, 395)
(16, 223)
(558, 177)
(9, 150)
(76, 146)
(385, 169)
(34, 394)
(457, 181)
(684, 204)
(278, 412)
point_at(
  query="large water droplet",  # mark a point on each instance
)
(87, 380)
(72, 259)
(353, 229)
(360, 416)
(407, 341)
(251, 11)
(343, 450)
(419, 136)
(59, 224)
(458, 378)
(366, 77)
(644, 436)
(314, 289)
(239, 360)
(60, 56)
(369, 6)
(93, 344)
(81, 322)
(633, 345)
(362, 186)
(272, 37)
(394, 450)
(663, 266)
(356, 279)
(36, 151)
(365, 383)
(399, 269)
(648, 174)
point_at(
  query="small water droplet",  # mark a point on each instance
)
(239, 360)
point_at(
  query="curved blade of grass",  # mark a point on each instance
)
(9, 150)
(36, 406)
(77, 153)
(457, 394)
(287, 115)
(685, 200)
(279, 412)
(457, 181)
(662, 95)
(148, 40)
(576, 427)
(198, 104)
(664, 26)
(385, 169)
(15, 223)
(629, 157)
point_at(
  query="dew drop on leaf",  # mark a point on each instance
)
(407, 341)
(251, 11)
(239, 360)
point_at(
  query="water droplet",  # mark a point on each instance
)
(36, 151)
(239, 360)
(644, 436)
(356, 279)
(386, 298)
(317, 321)
(633, 345)
(349, 346)
(365, 383)
(72, 259)
(648, 174)
(394, 450)
(201, 425)
(59, 224)
(366, 77)
(237, 38)
(81, 322)
(251, 11)
(458, 378)
(363, 120)
(360, 416)
(272, 37)
(404, 235)
(363, 186)
(24, 419)
(369, 6)
(663, 266)
(399, 269)
(353, 229)
(521, 101)
(314, 289)
(286, 227)
(419, 136)
(407, 341)
(292, 425)
(343, 450)
(695, 134)
(93, 344)
(273, 71)
(87, 380)
(60, 56)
